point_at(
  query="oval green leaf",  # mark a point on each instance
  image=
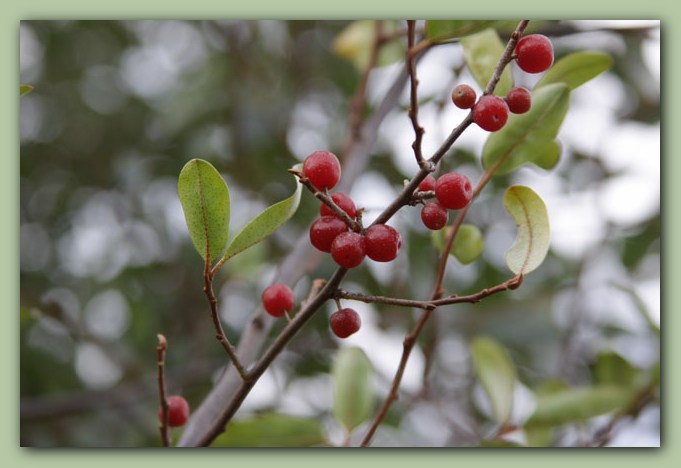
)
(532, 242)
(441, 30)
(272, 430)
(205, 201)
(530, 137)
(496, 374)
(23, 89)
(576, 69)
(265, 223)
(354, 43)
(579, 404)
(482, 52)
(352, 392)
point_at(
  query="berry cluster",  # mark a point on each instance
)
(453, 191)
(533, 54)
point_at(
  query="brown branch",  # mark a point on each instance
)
(413, 97)
(160, 362)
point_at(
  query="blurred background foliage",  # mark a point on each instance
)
(117, 109)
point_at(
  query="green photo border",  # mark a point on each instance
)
(12, 12)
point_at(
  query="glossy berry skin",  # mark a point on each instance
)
(519, 100)
(453, 191)
(178, 411)
(343, 201)
(324, 230)
(434, 216)
(534, 53)
(278, 299)
(348, 249)
(427, 184)
(345, 322)
(382, 242)
(323, 170)
(490, 113)
(463, 96)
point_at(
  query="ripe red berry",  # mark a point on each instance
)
(382, 243)
(345, 322)
(324, 230)
(348, 249)
(178, 411)
(343, 201)
(490, 113)
(322, 169)
(534, 53)
(427, 184)
(434, 216)
(519, 100)
(453, 191)
(278, 299)
(463, 96)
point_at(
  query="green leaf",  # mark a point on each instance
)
(354, 43)
(468, 244)
(205, 201)
(578, 404)
(532, 242)
(352, 392)
(613, 369)
(23, 89)
(496, 373)
(272, 430)
(529, 137)
(441, 30)
(576, 69)
(482, 52)
(265, 223)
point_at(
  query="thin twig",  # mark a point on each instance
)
(413, 96)
(160, 362)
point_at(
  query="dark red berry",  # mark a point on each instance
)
(343, 201)
(453, 191)
(534, 53)
(322, 169)
(348, 249)
(463, 96)
(434, 216)
(345, 322)
(178, 411)
(383, 243)
(427, 184)
(490, 113)
(278, 299)
(519, 100)
(324, 230)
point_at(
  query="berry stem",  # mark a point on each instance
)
(160, 362)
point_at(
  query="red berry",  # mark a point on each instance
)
(278, 299)
(178, 411)
(343, 201)
(453, 191)
(324, 230)
(463, 96)
(427, 184)
(382, 243)
(519, 100)
(348, 249)
(345, 322)
(434, 216)
(322, 169)
(490, 113)
(534, 53)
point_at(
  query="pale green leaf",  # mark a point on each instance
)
(496, 374)
(352, 390)
(440, 30)
(205, 201)
(354, 43)
(578, 404)
(532, 241)
(576, 69)
(482, 52)
(529, 137)
(613, 369)
(23, 89)
(272, 430)
(265, 224)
